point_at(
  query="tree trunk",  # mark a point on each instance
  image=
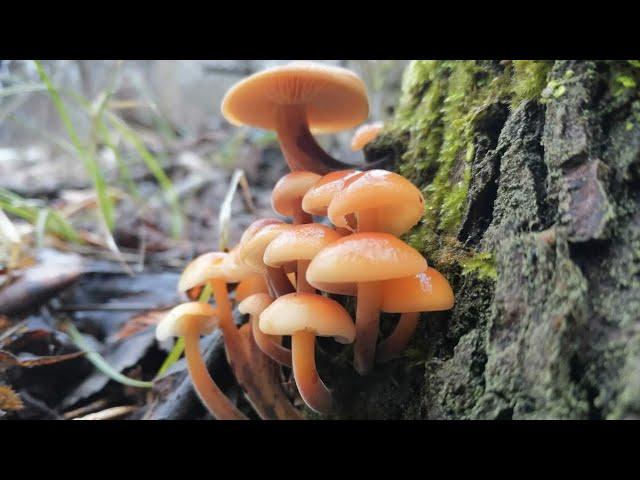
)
(531, 175)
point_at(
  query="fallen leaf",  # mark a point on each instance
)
(140, 322)
(28, 360)
(9, 400)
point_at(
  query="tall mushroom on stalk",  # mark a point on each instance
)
(381, 201)
(426, 291)
(287, 194)
(358, 264)
(190, 320)
(296, 99)
(299, 244)
(365, 134)
(305, 316)
(267, 398)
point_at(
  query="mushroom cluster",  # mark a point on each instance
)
(285, 271)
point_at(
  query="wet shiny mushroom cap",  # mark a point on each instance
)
(202, 269)
(334, 98)
(300, 242)
(251, 252)
(319, 196)
(173, 324)
(288, 192)
(365, 134)
(396, 203)
(255, 304)
(363, 257)
(308, 312)
(426, 291)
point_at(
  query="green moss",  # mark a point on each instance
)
(439, 108)
(481, 264)
(529, 79)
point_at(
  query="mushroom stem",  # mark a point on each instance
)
(232, 340)
(367, 221)
(300, 216)
(367, 321)
(303, 285)
(311, 387)
(279, 281)
(270, 345)
(392, 346)
(210, 395)
(255, 380)
(300, 149)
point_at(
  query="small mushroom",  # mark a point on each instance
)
(426, 291)
(286, 198)
(381, 201)
(296, 99)
(276, 278)
(357, 264)
(299, 244)
(305, 316)
(213, 268)
(190, 320)
(365, 134)
(269, 344)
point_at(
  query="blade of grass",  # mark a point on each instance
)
(105, 203)
(178, 348)
(156, 170)
(26, 209)
(98, 360)
(224, 216)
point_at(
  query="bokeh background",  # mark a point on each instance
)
(152, 114)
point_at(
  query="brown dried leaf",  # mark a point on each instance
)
(29, 361)
(9, 400)
(140, 322)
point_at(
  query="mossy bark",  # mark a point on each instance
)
(531, 175)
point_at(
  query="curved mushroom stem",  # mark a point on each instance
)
(367, 221)
(270, 345)
(392, 346)
(300, 149)
(367, 322)
(255, 379)
(278, 281)
(211, 396)
(312, 389)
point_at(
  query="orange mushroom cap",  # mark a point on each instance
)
(363, 257)
(252, 251)
(201, 269)
(234, 268)
(426, 291)
(308, 312)
(255, 304)
(318, 198)
(172, 325)
(396, 202)
(255, 227)
(365, 134)
(288, 192)
(334, 98)
(300, 242)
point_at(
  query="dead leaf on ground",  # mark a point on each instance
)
(9, 400)
(28, 360)
(139, 323)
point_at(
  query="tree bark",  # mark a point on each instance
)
(531, 175)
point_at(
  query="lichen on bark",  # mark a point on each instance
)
(530, 171)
